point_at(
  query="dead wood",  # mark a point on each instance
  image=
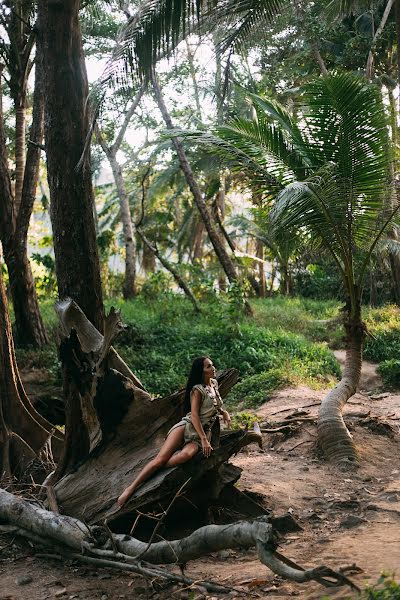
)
(75, 536)
(114, 427)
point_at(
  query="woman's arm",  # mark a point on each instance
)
(224, 413)
(195, 403)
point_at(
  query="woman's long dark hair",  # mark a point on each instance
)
(195, 376)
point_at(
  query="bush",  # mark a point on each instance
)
(390, 372)
(384, 325)
(386, 589)
(253, 391)
(244, 420)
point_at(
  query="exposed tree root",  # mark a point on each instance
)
(93, 545)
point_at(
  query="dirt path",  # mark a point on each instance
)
(347, 517)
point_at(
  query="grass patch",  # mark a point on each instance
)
(163, 337)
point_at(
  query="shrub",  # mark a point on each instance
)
(253, 391)
(390, 372)
(243, 420)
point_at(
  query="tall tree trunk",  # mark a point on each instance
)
(369, 69)
(129, 287)
(20, 149)
(198, 242)
(66, 128)
(394, 258)
(14, 228)
(333, 435)
(23, 432)
(215, 239)
(373, 291)
(261, 274)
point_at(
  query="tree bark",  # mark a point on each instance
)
(14, 223)
(23, 432)
(261, 274)
(118, 428)
(333, 435)
(394, 258)
(66, 128)
(215, 239)
(129, 287)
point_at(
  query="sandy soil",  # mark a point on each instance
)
(348, 518)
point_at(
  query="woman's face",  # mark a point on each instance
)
(208, 369)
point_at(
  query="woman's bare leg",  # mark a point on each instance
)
(171, 444)
(179, 458)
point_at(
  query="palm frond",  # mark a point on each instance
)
(267, 107)
(159, 25)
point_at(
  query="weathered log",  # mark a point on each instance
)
(113, 428)
(76, 536)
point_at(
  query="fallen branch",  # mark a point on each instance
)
(74, 538)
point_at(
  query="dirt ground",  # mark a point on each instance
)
(349, 519)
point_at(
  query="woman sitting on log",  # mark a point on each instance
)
(193, 432)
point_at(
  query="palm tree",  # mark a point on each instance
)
(328, 179)
(158, 26)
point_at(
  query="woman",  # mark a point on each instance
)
(194, 430)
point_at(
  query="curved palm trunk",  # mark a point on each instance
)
(333, 435)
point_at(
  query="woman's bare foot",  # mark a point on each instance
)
(124, 497)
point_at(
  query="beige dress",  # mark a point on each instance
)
(210, 407)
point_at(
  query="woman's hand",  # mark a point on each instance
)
(226, 417)
(206, 447)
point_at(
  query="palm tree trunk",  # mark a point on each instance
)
(394, 258)
(129, 287)
(66, 128)
(333, 435)
(220, 251)
(369, 69)
(261, 274)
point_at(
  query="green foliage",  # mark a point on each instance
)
(390, 372)
(44, 271)
(163, 338)
(254, 390)
(318, 281)
(384, 326)
(386, 589)
(244, 420)
(156, 285)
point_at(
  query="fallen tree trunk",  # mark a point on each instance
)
(124, 551)
(114, 427)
